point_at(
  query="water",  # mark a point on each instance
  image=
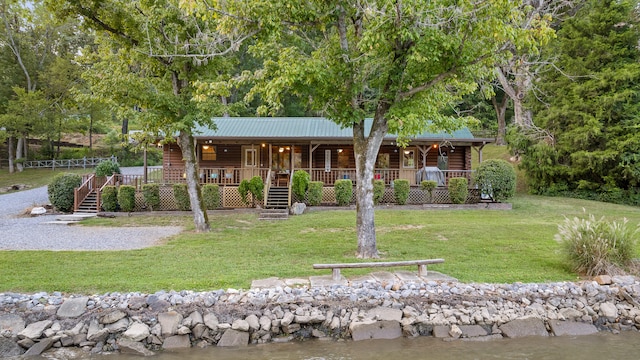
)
(600, 346)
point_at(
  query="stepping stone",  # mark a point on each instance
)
(327, 281)
(408, 276)
(271, 282)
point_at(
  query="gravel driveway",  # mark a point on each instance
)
(18, 232)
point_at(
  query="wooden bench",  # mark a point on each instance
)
(422, 266)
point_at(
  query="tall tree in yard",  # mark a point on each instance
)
(590, 105)
(149, 56)
(399, 62)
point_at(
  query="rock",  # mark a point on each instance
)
(234, 338)
(34, 330)
(441, 331)
(40, 347)
(287, 319)
(375, 330)
(240, 325)
(133, 347)
(72, 308)
(112, 317)
(603, 279)
(297, 208)
(455, 331)
(571, 313)
(384, 314)
(529, 326)
(211, 321)
(12, 323)
(176, 342)
(38, 210)
(96, 332)
(118, 326)
(169, 321)
(609, 311)
(9, 348)
(193, 319)
(199, 330)
(265, 323)
(571, 328)
(472, 331)
(254, 323)
(137, 332)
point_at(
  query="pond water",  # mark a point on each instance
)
(600, 346)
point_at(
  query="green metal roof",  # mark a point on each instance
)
(314, 128)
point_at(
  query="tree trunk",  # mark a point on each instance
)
(11, 154)
(19, 154)
(200, 219)
(501, 110)
(90, 131)
(365, 151)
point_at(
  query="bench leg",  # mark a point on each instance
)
(422, 270)
(336, 274)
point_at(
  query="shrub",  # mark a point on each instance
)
(151, 194)
(596, 247)
(496, 178)
(458, 190)
(181, 194)
(109, 198)
(378, 191)
(300, 183)
(429, 186)
(315, 193)
(107, 168)
(256, 187)
(61, 191)
(211, 196)
(401, 191)
(243, 189)
(127, 198)
(344, 191)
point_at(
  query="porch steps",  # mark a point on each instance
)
(90, 204)
(274, 214)
(278, 198)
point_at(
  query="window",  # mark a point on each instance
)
(409, 159)
(208, 152)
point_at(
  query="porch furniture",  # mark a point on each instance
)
(422, 266)
(228, 176)
(282, 177)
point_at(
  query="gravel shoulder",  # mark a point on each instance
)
(19, 232)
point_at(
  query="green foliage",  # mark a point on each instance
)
(61, 191)
(496, 178)
(244, 189)
(107, 168)
(211, 196)
(315, 193)
(151, 194)
(401, 191)
(256, 187)
(586, 134)
(378, 191)
(343, 189)
(300, 183)
(127, 198)
(109, 198)
(181, 195)
(458, 190)
(429, 186)
(597, 246)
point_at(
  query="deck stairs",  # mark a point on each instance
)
(89, 205)
(277, 207)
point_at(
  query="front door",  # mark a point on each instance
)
(281, 163)
(250, 158)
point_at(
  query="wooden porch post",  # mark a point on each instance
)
(424, 153)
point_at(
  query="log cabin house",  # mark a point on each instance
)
(273, 148)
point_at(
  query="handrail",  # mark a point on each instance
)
(289, 190)
(267, 187)
(80, 193)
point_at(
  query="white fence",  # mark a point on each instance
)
(66, 163)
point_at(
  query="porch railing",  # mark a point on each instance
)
(233, 176)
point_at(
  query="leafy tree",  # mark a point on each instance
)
(149, 56)
(400, 63)
(589, 108)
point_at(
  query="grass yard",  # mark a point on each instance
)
(477, 245)
(35, 177)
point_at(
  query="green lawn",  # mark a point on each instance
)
(477, 245)
(35, 177)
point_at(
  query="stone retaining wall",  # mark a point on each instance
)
(147, 323)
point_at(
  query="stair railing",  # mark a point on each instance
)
(111, 180)
(80, 193)
(289, 190)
